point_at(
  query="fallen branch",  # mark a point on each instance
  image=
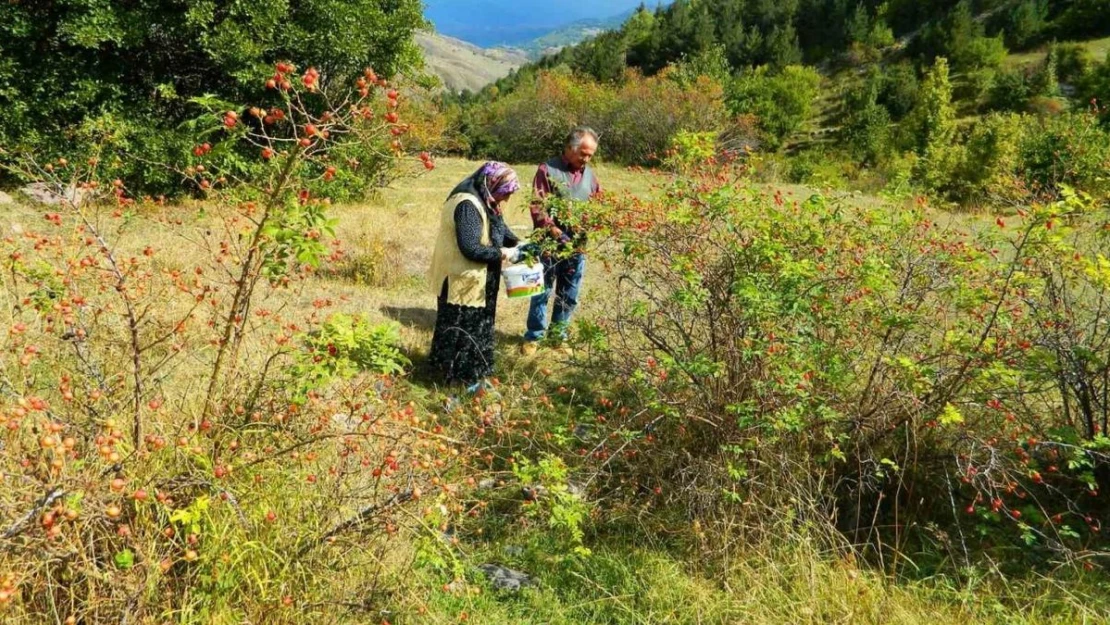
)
(362, 517)
(47, 500)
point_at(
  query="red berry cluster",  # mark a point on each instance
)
(279, 80)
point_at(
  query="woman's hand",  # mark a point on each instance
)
(510, 254)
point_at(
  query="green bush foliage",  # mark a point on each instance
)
(899, 89)
(867, 124)
(1093, 89)
(637, 119)
(989, 174)
(176, 411)
(1025, 23)
(1080, 18)
(1069, 150)
(341, 348)
(782, 103)
(793, 355)
(1073, 61)
(134, 69)
(932, 129)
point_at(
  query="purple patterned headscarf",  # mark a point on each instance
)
(492, 178)
(500, 178)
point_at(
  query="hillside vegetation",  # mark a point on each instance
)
(291, 512)
(465, 67)
(893, 96)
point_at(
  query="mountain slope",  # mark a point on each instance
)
(463, 66)
(575, 32)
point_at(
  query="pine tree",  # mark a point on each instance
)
(730, 30)
(602, 58)
(1027, 23)
(642, 38)
(782, 47)
(867, 123)
(933, 128)
(859, 26)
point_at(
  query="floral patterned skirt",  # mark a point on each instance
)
(462, 345)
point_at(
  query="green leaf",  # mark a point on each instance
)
(125, 559)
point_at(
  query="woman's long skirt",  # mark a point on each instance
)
(462, 346)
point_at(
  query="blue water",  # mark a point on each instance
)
(490, 23)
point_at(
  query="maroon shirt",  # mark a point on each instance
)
(541, 186)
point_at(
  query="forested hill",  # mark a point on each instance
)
(967, 100)
(778, 33)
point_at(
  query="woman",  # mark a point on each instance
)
(472, 243)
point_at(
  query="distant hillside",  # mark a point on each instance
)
(573, 33)
(463, 66)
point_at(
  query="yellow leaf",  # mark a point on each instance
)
(951, 415)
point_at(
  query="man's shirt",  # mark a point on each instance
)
(541, 186)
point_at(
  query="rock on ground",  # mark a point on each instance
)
(505, 578)
(44, 194)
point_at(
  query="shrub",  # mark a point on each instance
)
(1093, 89)
(1067, 150)
(1073, 61)
(782, 103)
(990, 172)
(529, 124)
(1083, 17)
(932, 128)
(860, 366)
(636, 119)
(648, 113)
(1026, 23)
(165, 465)
(867, 124)
(1011, 91)
(691, 150)
(821, 168)
(899, 89)
(343, 346)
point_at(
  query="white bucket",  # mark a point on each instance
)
(523, 280)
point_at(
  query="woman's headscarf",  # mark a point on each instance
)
(491, 178)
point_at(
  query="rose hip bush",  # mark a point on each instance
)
(180, 440)
(919, 386)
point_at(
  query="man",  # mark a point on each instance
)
(569, 178)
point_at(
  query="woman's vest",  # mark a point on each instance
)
(466, 279)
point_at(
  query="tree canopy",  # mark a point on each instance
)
(64, 63)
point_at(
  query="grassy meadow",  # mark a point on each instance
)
(636, 574)
(638, 571)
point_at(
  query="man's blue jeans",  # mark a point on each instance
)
(564, 277)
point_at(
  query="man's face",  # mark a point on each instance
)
(581, 157)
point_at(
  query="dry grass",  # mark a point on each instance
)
(462, 66)
(405, 215)
(396, 225)
(1099, 49)
(617, 584)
